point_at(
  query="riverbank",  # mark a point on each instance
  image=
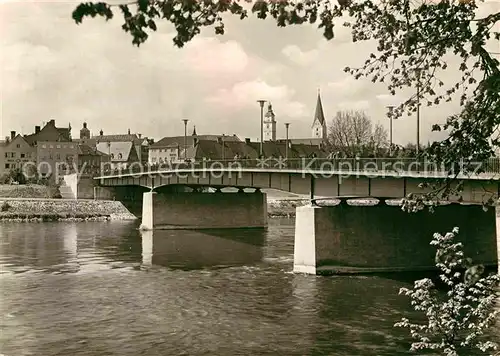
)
(62, 210)
(284, 207)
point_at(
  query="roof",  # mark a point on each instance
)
(209, 149)
(119, 151)
(179, 140)
(89, 151)
(319, 114)
(118, 138)
(304, 141)
(50, 133)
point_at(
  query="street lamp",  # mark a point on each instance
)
(261, 102)
(391, 116)
(287, 125)
(418, 71)
(185, 138)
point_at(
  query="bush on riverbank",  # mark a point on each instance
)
(29, 191)
(458, 320)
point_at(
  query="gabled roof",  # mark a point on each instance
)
(119, 151)
(17, 138)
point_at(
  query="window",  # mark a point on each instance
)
(7, 165)
(51, 146)
(58, 146)
(18, 145)
(120, 156)
(58, 156)
(44, 146)
(112, 156)
(6, 154)
(22, 155)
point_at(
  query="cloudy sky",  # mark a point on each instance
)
(52, 68)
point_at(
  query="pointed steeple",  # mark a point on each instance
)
(319, 114)
(194, 131)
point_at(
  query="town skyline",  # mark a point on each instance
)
(92, 73)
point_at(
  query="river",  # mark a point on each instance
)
(102, 288)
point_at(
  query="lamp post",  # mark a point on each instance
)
(418, 71)
(185, 138)
(390, 114)
(261, 102)
(287, 125)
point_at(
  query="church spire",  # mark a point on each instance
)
(319, 122)
(194, 131)
(319, 114)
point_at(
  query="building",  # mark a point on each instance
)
(269, 124)
(117, 147)
(56, 154)
(46, 151)
(214, 150)
(55, 158)
(17, 154)
(172, 149)
(319, 130)
(91, 162)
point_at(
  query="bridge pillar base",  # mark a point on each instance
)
(348, 239)
(196, 210)
(147, 211)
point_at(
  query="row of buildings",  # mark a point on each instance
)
(51, 150)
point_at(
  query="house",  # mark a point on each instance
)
(16, 153)
(122, 155)
(56, 154)
(55, 158)
(116, 144)
(91, 162)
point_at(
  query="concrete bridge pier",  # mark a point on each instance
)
(200, 210)
(383, 238)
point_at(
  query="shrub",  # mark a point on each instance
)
(456, 320)
(5, 206)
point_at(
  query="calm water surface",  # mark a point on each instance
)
(104, 289)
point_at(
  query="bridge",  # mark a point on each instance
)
(327, 238)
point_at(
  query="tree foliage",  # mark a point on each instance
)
(352, 133)
(458, 319)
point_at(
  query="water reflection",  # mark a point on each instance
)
(198, 249)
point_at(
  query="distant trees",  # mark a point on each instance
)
(351, 133)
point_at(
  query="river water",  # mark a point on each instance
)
(103, 288)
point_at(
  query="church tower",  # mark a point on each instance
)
(84, 132)
(319, 122)
(269, 125)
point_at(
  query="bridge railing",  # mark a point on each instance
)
(348, 165)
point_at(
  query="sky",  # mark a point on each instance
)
(52, 68)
